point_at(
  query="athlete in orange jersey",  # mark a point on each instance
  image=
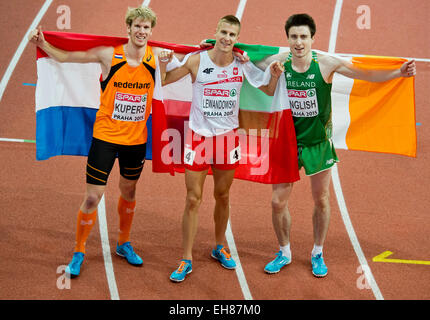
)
(127, 85)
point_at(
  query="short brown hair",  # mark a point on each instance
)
(231, 19)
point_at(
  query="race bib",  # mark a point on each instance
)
(189, 156)
(303, 103)
(129, 107)
(235, 155)
(218, 103)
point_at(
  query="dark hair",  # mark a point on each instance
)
(301, 19)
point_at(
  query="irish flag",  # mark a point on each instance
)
(377, 117)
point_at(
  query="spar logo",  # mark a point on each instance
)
(216, 92)
(219, 92)
(297, 94)
(301, 93)
(310, 93)
(126, 97)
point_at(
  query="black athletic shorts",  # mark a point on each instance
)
(101, 159)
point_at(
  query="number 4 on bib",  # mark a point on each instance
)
(189, 156)
(235, 155)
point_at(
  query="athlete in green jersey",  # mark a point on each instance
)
(309, 76)
(310, 102)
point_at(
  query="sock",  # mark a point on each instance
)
(85, 223)
(316, 250)
(286, 251)
(126, 214)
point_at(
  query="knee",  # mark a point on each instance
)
(91, 201)
(280, 195)
(193, 201)
(322, 201)
(128, 191)
(222, 198)
(279, 205)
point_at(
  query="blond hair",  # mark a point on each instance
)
(143, 13)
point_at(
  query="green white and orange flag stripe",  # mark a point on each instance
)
(377, 117)
(367, 116)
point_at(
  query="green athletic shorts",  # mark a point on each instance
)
(317, 158)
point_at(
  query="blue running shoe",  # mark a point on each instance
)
(184, 268)
(319, 269)
(276, 265)
(126, 250)
(223, 257)
(74, 267)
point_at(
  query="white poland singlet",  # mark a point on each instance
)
(215, 102)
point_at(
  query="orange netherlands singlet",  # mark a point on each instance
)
(126, 99)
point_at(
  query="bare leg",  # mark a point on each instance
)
(194, 181)
(320, 184)
(127, 188)
(281, 218)
(223, 180)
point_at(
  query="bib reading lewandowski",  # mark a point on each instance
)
(129, 107)
(220, 102)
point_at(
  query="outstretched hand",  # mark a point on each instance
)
(408, 69)
(36, 36)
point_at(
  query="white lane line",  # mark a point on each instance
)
(146, 3)
(17, 140)
(228, 233)
(335, 26)
(352, 236)
(239, 271)
(240, 9)
(21, 47)
(104, 236)
(336, 181)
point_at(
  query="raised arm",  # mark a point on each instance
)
(333, 64)
(191, 66)
(281, 57)
(276, 70)
(100, 54)
(165, 56)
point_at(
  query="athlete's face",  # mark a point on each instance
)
(300, 41)
(139, 32)
(226, 36)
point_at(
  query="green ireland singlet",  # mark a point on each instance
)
(310, 103)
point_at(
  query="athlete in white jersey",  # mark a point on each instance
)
(217, 78)
(215, 103)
